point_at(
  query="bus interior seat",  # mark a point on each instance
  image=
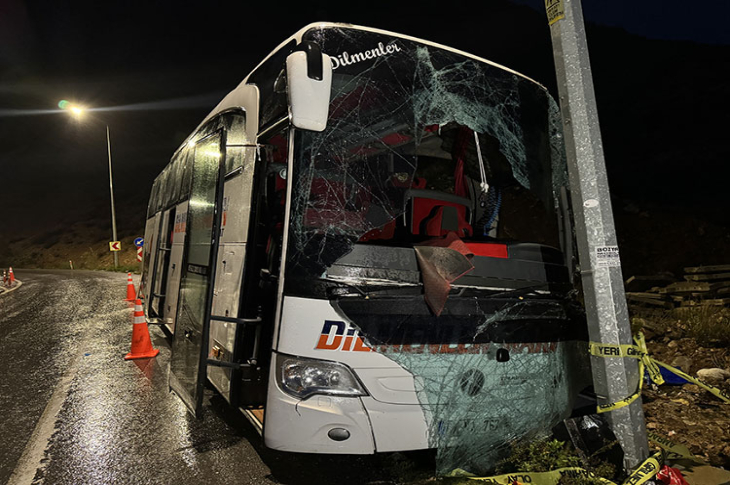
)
(444, 219)
(435, 214)
(334, 202)
(388, 230)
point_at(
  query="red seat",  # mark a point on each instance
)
(446, 219)
(436, 214)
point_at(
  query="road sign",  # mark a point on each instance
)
(139, 254)
(115, 246)
(139, 242)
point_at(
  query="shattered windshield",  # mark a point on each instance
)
(420, 142)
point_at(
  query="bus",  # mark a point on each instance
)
(366, 247)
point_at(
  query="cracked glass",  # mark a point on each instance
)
(409, 116)
(426, 147)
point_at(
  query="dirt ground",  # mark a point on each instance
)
(686, 413)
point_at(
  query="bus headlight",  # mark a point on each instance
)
(301, 377)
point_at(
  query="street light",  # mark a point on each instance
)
(78, 112)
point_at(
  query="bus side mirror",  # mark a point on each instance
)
(309, 81)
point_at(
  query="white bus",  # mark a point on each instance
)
(365, 247)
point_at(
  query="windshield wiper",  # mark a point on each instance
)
(365, 290)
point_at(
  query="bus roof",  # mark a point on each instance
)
(232, 99)
(336, 25)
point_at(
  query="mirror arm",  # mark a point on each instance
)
(315, 68)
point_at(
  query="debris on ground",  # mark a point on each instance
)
(671, 476)
(700, 286)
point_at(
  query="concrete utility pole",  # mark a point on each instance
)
(614, 378)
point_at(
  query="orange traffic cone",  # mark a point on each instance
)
(11, 276)
(131, 292)
(141, 344)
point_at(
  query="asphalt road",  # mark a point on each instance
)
(72, 411)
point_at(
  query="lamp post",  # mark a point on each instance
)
(78, 112)
(111, 194)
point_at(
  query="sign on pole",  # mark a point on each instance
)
(115, 246)
(139, 254)
(614, 379)
(139, 242)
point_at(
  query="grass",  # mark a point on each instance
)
(709, 326)
(547, 455)
(122, 268)
(538, 456)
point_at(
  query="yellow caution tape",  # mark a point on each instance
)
(675, 451)
(640, 352)
(541, 478)
(648, 469)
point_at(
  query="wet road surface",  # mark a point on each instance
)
(72, 411)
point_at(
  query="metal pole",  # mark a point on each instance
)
(608, 322)
(111, 192)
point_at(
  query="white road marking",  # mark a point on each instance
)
(31, 459)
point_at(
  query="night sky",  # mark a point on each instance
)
(157, 68)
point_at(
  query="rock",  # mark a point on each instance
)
(713, 375)
(673, 344)
(681, 361)
(654, 328)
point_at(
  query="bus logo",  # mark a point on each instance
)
(347, 59)
(339, 336)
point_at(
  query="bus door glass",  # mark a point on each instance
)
(152, 229)
(162, 261)
(189, 346)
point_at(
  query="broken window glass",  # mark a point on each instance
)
(408, 117)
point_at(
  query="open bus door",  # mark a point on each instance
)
(162, 248)
(190, 340)
(151, 232)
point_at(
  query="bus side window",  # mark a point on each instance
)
(186, 173)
